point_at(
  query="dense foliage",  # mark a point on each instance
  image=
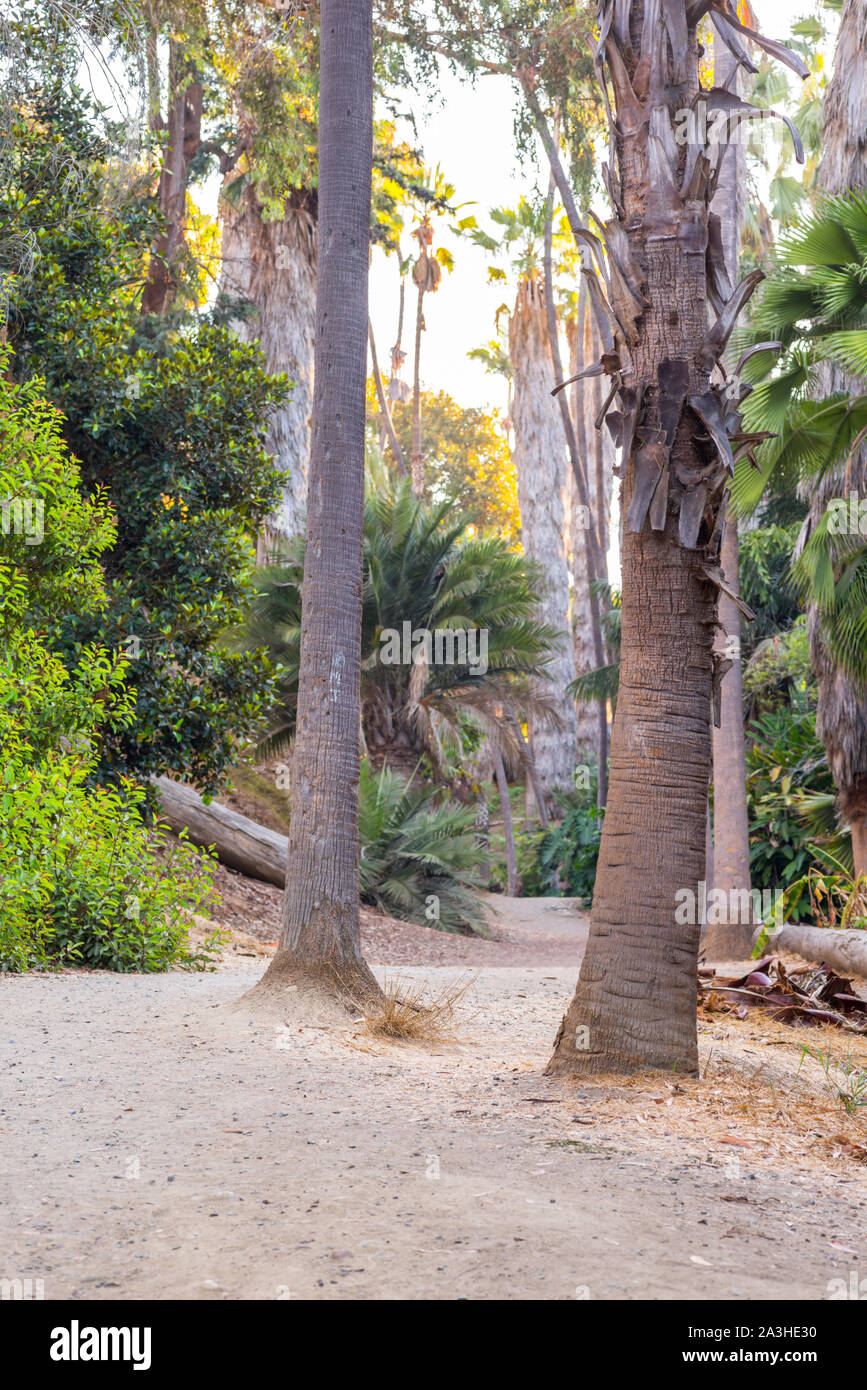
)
(81, 879)
(167, 419)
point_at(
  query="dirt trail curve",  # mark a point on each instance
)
(154, 1143)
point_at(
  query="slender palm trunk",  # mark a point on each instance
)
(841, 714)
(541, 469)
(272, 265)
(415, 463)
(319, 939)
(730, 940)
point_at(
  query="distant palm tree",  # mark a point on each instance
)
(423, 568)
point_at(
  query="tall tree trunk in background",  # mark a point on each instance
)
(508, 827)
(319, 941)
(577, 475)
(634, 1006)
(730, 940)
(540, 466)
(183, 133)
(384, 412)
(598, 450)
(841, 715)
(273, 266)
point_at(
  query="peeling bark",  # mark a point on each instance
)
(273, 266)
(541, 469)
(634, 1006)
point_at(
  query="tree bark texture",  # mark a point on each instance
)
(541, 469)
(673, 416)
(320, 925)
(272, 265)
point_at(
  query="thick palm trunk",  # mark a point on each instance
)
(841, 715)
(730, 940)
(634, 1006)
(319, 940)
(273, 266)
(183, 136)
(541, 469)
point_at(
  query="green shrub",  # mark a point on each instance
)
(561, 861)
(419, 854)
(81, 879)
(786, 770)
(166, 418)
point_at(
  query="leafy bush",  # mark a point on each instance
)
(786, 768)
(79, 877)
(166, 418)
(419, 855)
(561, 861)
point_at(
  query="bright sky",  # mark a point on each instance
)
(469, 133)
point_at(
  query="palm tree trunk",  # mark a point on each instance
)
(273, 266)
(634, 1006)
(730, 940)
(319, 941)
(540, 466)
(841, 713)
(415, 462)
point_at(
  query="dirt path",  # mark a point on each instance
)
(155, 1143)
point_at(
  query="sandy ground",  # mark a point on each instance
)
(155, 1142)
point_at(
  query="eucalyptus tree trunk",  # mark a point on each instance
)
(597, 450)
(730, 939)
(183, 131)
(273, 266)
(841, 714)
(540, 466)
(319, 940)
(508, 826)
(634, 1006)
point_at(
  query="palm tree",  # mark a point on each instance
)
(319, 941)
(421, 855)
(422, 572)
(815, 309)
(634, 1006)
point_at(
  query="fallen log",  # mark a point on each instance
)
(845, 950)
(240, 843)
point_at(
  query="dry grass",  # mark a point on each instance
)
(410, 1011)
